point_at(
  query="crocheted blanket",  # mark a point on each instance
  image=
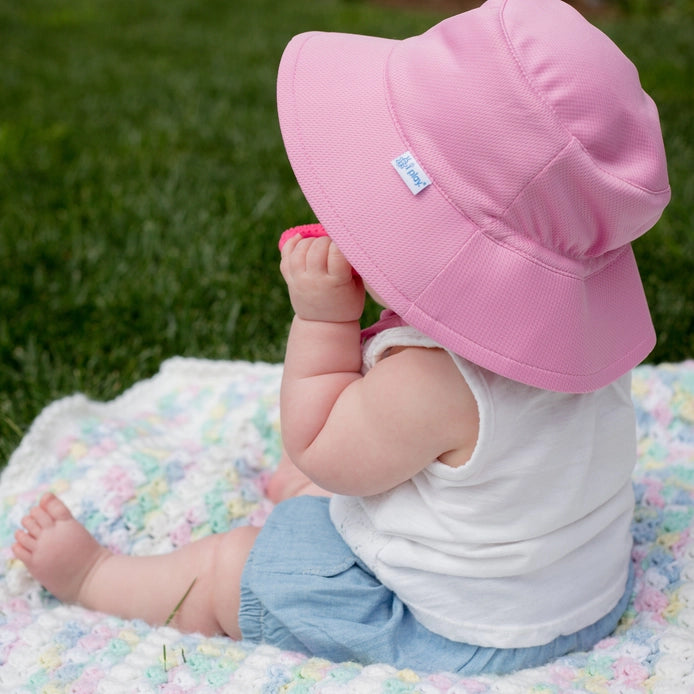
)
(188, 452)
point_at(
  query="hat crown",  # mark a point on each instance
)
(534, 125)
(543, 159)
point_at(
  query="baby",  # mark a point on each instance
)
(455, 493)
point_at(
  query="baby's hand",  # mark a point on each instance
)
(322, 286)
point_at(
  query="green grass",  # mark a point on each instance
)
(663, 50)
(143, 185)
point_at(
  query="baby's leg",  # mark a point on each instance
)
(288, 481)
(61, 554)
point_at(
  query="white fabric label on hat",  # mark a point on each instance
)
(411, 172)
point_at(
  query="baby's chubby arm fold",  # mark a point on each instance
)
(354, 434)
(323, 349)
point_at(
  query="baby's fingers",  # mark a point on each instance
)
(288, 248)
(316, 254)
(338, 265)
(294, 258)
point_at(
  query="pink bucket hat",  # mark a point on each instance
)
(486, 179)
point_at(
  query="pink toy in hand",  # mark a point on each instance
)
(306, 230)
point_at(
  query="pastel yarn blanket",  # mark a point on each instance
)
(188, 453)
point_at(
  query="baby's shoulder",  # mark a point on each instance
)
(426, 382)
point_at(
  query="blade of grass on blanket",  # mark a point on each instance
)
(143, 184)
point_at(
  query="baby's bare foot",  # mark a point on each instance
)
(58, 550)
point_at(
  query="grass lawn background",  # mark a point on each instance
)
(143, 184)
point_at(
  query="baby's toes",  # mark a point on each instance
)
(54, 507)
(22, 553)
(24, 543)
(40, 518)
(32, 526)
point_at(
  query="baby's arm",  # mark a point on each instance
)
(352, 434)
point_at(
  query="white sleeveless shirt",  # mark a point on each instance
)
(530, 539)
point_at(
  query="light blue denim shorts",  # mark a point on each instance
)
(304, 590)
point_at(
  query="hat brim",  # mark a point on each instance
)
(510, 313)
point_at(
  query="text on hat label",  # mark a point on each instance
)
(411, 172)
